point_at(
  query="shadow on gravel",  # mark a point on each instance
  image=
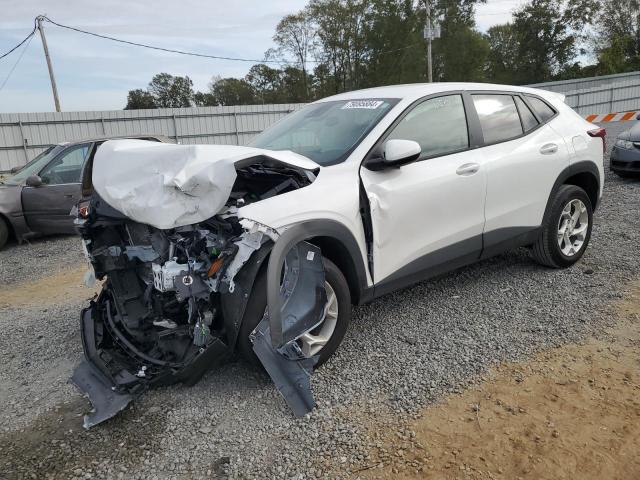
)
(56, 446)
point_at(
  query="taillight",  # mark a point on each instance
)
(84, 209)
(602, 133)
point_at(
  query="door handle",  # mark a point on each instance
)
(468, 169)
(549, 148)
(68, 195)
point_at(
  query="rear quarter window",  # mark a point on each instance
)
(529, 122)
(544, 111)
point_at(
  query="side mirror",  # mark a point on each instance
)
(33, 181)
(638, 117)
(395, 153)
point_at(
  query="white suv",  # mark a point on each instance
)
(263, 249)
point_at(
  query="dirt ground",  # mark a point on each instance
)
(56, 288)
(569, 413)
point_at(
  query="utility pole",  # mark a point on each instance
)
(56, 100)
(428, 33)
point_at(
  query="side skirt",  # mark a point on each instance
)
(456, 256)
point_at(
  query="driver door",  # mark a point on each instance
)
(427, 216)
(46, 208)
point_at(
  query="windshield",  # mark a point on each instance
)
(325, 132)
(33, 167)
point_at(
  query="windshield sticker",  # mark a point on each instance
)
(366, 104)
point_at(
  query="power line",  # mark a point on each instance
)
(193, 54)
(20, 44)
(401, 48)
(17, 62)
(152, 47)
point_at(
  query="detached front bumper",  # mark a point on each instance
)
(114, 373)
(93, 377)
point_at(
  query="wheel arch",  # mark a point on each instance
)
(12, 231)
(335, 241)
(589, 183)
(583, 174)
(338, 244)
(333, 249)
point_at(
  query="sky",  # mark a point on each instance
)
(96, 74)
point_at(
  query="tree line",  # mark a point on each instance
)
(332, 46)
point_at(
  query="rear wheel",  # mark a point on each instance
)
(4, 232)
(566, 230)
(322, 340)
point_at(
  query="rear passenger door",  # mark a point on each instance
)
(523, 157)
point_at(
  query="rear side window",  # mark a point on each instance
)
(529, 121)
(498, 116)
(439, 125)
(544, 111)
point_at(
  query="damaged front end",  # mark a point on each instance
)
(173, 299)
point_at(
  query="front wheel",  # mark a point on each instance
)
(566, 230)
(324, 339)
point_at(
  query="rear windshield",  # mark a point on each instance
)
(325, 132)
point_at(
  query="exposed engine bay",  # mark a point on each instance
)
(173, 300)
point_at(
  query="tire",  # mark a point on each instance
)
(4, 233)
(258, 303)
(547, 249)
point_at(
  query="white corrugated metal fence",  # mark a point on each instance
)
(605, 94)
(24, 135)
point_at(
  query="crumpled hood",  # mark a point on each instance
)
(167, 185)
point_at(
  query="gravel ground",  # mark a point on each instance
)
(39, 257)
(403, 351)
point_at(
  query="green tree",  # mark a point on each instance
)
(341, 33)
(618, 36)
(395, 48)
(266, 82)
(502, 58)
(294, 86)
(204, 99)
(295, 36)
(232, 91)
(170, 92)
(137, 99)
(460, 54)
(548, 33)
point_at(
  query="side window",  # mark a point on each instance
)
(67, 167)
(439, 125)
(529, 121)
(544, 111)
(498, 117)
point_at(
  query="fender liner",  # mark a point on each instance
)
(306, 231)
(570, 171)
(234, 304)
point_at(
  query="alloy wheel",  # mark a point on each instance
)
(572, 227)
(314, 340)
